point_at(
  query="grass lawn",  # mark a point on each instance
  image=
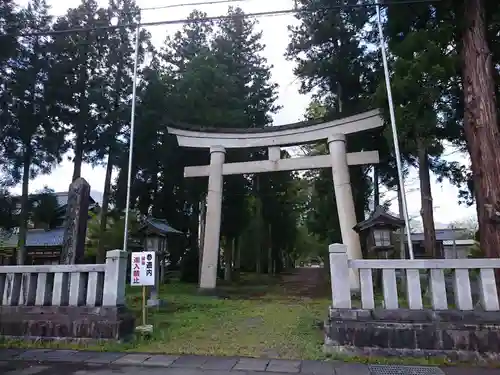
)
(254, 318)
(268, 326)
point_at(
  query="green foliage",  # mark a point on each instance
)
(309, 247)
(330, 50)
(81, 95)
(32, 133)
(6, 210)
(332, 56)
(113, 238)
(189, 267)
(208, 74)
(213, 74)
(423, 69)
(9, 24)
(45, 208)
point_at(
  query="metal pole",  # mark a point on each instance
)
(131, 145)
(394, 133)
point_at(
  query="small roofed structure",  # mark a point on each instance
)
(377, 230)
(154, 235)
(159, 226)
(154, 232)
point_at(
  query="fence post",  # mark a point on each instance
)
(115, 278)
(339, 275)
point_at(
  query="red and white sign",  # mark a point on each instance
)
(143, 269)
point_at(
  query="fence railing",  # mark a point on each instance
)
(440, 275)
(66, 285)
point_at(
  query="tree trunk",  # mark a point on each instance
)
(481, 125)
(228, 259)
(82, 120)
(163, 267)
(269, 251)
(258, 260)
(23, 216)
(78, 159)
(426, 210)
(101, 251)
(376, 193)
(237, 258)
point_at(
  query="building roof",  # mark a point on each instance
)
(158, 226)
(447, 234)
(380, 217)
(36, 238)
(62, 198)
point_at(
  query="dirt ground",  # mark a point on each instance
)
(306, 282)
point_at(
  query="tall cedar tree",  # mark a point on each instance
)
(33, 137)
(203, 80)
(81, 94)
(422, 67)
(183, 78)
(329, 47)
(475, 27)
(481, 123)
(238, 47)
(9, 26)
(163, 87)
(115, 116)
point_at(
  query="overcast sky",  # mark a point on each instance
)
(275, 37)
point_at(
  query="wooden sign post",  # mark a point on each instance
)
(143, 274)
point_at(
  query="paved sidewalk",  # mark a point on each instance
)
(70, 362)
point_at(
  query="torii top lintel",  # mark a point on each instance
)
(285, 135)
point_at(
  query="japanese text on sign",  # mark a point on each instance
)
(142, 269)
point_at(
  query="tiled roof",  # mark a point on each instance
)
(36, 238)
(163, 226)
(160, 225)
(380, 217)
(62, 199)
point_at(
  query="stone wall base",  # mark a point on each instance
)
(66, 322)
(451, 334)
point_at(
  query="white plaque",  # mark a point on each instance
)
(143, 269)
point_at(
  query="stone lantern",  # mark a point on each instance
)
(376, 231)
(154, 238)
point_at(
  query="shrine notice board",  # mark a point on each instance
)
(143, 268)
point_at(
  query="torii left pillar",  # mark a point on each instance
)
(345, 202)
(208, 277)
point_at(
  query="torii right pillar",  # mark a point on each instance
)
(345, 202)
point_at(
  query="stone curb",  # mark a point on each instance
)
(237, 365)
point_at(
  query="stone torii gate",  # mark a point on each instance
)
(218, 140)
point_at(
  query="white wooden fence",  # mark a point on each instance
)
(66, 285)
(414, 271)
